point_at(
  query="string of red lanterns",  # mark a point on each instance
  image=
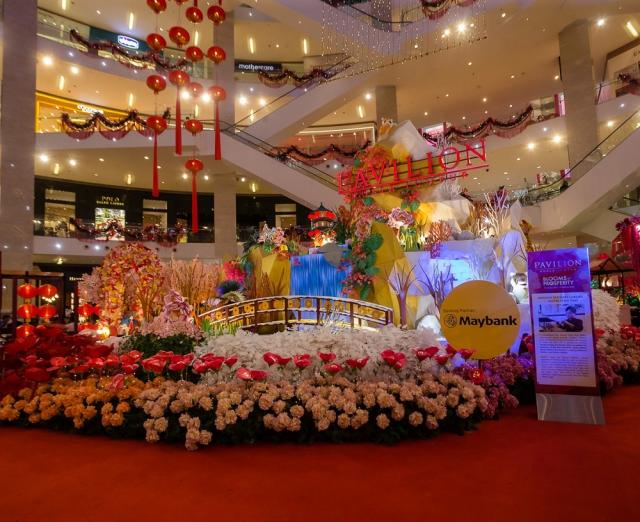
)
(28, 311)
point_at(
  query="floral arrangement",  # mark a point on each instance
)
(606, 312)
(272, 239)
(176, 318)
(195, 281)
(399, 218)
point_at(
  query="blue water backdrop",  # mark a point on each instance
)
(314, 275)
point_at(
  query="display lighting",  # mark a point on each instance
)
(47, 60)
(557, 138)
(462, 27)
(600, 22)
(610, 123)
(61, 82)
(44, 158)
(305, 46)
(531, 146)
(632, 29)
(131, 99)
(129, 179)
(75, 69)
(254, 187)
(73, 162)
(185, 95)
(361, 111)
(185, 175)
(243, 100)
(262, 102)
(132, 20)
(63, 5)
(252, 45)
(56, 169)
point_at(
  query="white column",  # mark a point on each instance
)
(386, 103)
(17, 133)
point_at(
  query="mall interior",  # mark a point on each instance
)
(172, 169)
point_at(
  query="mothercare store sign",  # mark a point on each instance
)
(562, 319)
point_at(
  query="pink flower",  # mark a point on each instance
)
(333, 368)
(326, 357)
(117, 383)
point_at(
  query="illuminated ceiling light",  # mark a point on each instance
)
(132, 20)
(47, 60)
(129, 179)
(75, 69)
(63, 5)
(262, 102)
(464, 117)
(610, 123)
(361, 111)
(73, 162)
(44, 158)
(252, 45)
(556, 77)
(196, 38)
(512, 76)
(243, 179)
(206, 177)
(56, 169)
(503, 15)
(415, 46)
(251, 116)
(206, 97)
(484, 100)
(305, 46)
(557, 138)
(185, 175)
(426, 113)
(531, 146)
(254, 187)
(517, 159)
(185, 95)
(101, 160)
(446, 33)
(600, 22)
(98, 11)
(462, 27)
(368, 96)
(131, 99)
(446, 95)
(632, 29)
(243, 100)
(469, 64)
(196, 111)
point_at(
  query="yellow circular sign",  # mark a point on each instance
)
(480, 316)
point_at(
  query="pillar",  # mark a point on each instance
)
(578, 84)
(224, 215)
(224, 178)
(386, 103)
(17, 133)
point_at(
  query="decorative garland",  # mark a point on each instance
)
(435, 9)
(276, 80)
(333, 151)
(113, 228)
(108, 128)
(128, 58)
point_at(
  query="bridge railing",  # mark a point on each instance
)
(299, 310)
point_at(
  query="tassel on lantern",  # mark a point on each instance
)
(194, 165)
(218, 94)
(180, 79)
(158, 125)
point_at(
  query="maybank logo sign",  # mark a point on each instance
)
(128, 42)
(465, 320)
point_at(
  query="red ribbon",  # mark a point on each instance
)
(218, 153)
(194, 203)
(155, 192)
(178, 126)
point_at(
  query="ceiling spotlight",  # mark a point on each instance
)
(252, 45)
(557, 138)
(243, 100)
(243, 179)
(469, 63)
(632, 29)
(544, 129)
(368, 96)
(75, 69)
(73, 162)
(101, 160)
(206, 177)
(600, 22)
(47, 60)
(361, 111)
(484, 100)
(426, 113)
(531, 146)
(446, 33)
(262, 102)
(185, 175)
(462, 27)
(44, 158)
(185, 95)
(610, 123)
(206, 97)
(305, 46)
(556, 77)
(503, 15)
(129, 179)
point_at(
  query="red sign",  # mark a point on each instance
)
(449, 163)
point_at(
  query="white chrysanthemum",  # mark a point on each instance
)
(606, 311)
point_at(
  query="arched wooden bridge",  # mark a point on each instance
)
(299, 310)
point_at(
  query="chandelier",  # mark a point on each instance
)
(373, 34)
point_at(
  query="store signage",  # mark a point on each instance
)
(256, 67)
(562, 319)
(482, 316)
(451, 162)
(128, 42)
(89, 110)
(110, 201)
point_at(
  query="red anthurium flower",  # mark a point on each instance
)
(178, 366)
(153, 364)
(164, 355)
(199, 367)
(401, 360)
(442, 358)
(357, 364)
(451, 350)
(466, 353)
(327, 357)
(80, 369)
(476, 375)
(426, 353)
(271, 358)
(388, 356)
(244, 374)
(599, 332)
(258, 375)
(112, 361)
(31, 360)
(333, 368)
(231, 360)
(96, 363)
(35, 374)
(135, 355)
(214, 362)
(130, 369)
(57, 363)
(117, 383)
(302, 361)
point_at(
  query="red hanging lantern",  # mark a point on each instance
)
(27, 291)
(216, 54)
(156, 83)
(216, 14)
(47, 312)
(194, 166)
(47, 291)
(195, 89)
(158, 125)
(25, 330)
(218, 94)
(157, 6)
(179, 35)
(156, 41)
(85, 310)
(179, 79)
(195, 54)
(194, 15)
(27, 311)
(193, 126)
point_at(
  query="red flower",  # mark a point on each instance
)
(466, 353)
(599, 333)
(154, 364)
(477, 376)
(258, 375)
(357, 364)
(426, 353)
(130, 368)
(451, 350)
(117, 383)
(112, 361)
(35, 374)
(231, 360)
(333, 368)
(271, 358)
(135, 355)
(302, 361)
(243, 374)
(389, 356)
(283, 361)
(164, 355)
(401, 360)
(442, 359)
(179, 365)
(326, 357)
(80, 369)
(57, 363)
(213, 362)
(96, 363)
(31, 360)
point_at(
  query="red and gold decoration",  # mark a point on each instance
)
(47, 291)
(216, 13)
(180, 79)
(157, 6)
(194, 166)
(323, 222)
(216, 54)
(158, 125)
(179, 36)
(195, 54)
(27, 291)
(278, 79)
(194, 13)
(218, 94)
(156, 41)
(108, 128)
(333, 151)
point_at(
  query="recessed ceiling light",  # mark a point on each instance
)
(146, 157)
(98, 11)
(469, 63)
(464, 117)
(557, 138)
(622, 105)
(262, 102)
(556, 77)
(446, 95)
(503, 15)
(484, 100)
(185, 175)
(517, 159)
(47, 60)
(243, 179)
(462, 27)
(544, 129)
(512, 76)
(73, 162)
(101, 159)
(632, 29)
(446, 33)
(610, 123)
(44, 158)
(531, 146)
(206, 177)
(415, 46)
(368, 96)
(75, 69)
(600, 22)
(243, 100)
(426, 113)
